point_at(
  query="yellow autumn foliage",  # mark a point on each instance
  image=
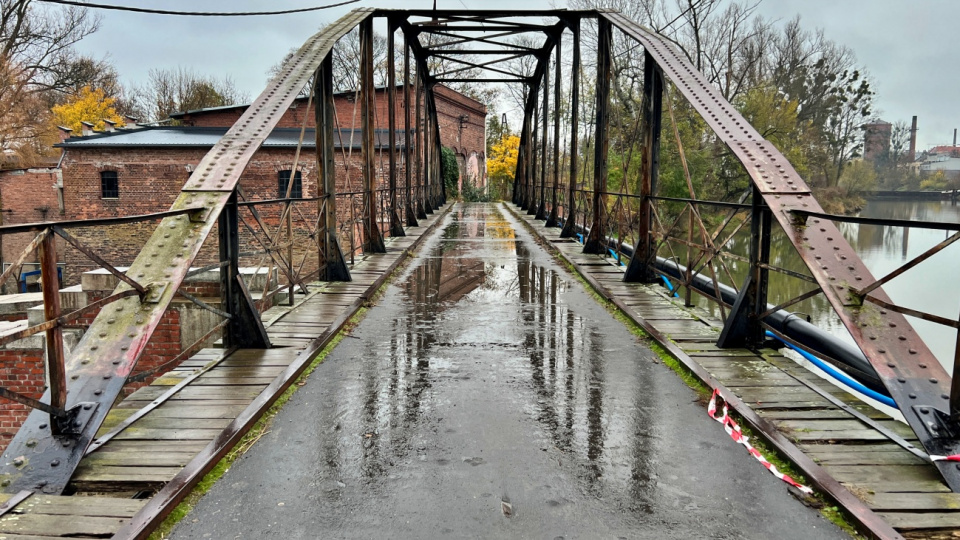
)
(502, 161)
(89, 105)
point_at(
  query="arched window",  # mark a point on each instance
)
(283, 178)
(109, 185)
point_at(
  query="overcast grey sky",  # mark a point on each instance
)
(906, 46)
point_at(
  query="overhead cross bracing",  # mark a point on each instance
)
(85, 382)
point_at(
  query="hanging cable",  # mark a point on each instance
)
(194, 13)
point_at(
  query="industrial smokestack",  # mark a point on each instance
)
(954, 137)
(913, 140)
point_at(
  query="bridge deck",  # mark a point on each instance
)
(149, 453)
(897, 486)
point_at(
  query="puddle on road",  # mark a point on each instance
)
(481, 305)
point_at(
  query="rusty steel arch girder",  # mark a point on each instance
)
(39, 460)
(911, 373)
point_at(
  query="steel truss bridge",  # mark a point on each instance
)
(552, 181)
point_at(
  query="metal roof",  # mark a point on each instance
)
(206, 137)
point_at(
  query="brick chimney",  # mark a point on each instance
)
(64, 132)
(130, 121)
(86, 129)
(109, 125)
(913, 141)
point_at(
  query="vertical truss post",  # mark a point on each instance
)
(595, 242)
(542, 207)
(643, 254)
(50, 282)
(245, 329)
(408, 210)
(373, 239)
(533, 203)
(396, 227)
(552, 217)
(955, 382)
(421, 168)
(429, 170)
(742, 327)
(570, 223)
(335, 266)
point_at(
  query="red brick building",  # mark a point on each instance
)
(141, 170)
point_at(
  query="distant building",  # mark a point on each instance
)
(876, 139)
(944, 158)
(141, 169)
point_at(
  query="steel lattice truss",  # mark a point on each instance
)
(465, 42)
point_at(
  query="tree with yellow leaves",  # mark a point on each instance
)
(502, 164)
(88, 105)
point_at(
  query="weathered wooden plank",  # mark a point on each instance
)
(79, 506)
(893, 478)
(178, 434)
(47, 525)
(924, 520)
(139, 459)
(918, 502)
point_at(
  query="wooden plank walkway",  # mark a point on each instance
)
(880, 475)
(116, 480)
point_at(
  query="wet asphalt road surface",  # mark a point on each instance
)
(488, 396)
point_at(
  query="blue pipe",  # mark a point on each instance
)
(840, 376)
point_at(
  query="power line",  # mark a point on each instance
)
(195, 13)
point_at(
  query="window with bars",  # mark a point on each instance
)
(109, 185)
(283, 179)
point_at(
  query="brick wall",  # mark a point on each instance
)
(26, 196)
(21, 371)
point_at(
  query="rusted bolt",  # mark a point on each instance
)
(55, 463)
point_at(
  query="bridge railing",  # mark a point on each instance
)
(719, 250)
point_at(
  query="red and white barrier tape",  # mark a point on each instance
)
(954, 457)
(733, 429)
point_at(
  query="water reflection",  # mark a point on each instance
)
(481, 307)
(931, 286)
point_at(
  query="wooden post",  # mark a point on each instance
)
(396, 227)
(596, 241)
(335, 266)
(643, 253)
(50, 282)
(553, 215)
(409, 207)
(373, 239)
(570, 225)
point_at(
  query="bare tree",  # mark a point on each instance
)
(37, 57)
(181, 89)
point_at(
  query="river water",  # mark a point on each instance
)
(933, 286)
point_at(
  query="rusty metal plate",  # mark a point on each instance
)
(97, 368)
(768, 168)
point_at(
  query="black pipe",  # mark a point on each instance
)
(849, 358)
